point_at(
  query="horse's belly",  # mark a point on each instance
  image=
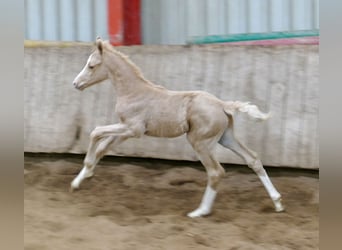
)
(159, 128)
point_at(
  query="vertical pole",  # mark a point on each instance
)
(115, 22)
(131, 17)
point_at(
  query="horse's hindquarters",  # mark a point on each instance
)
(206, 117)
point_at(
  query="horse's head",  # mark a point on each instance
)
(94, 71)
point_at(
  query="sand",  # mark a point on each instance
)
(142, 204)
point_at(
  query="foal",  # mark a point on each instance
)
(147, 109)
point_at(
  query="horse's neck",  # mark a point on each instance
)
(125, 77)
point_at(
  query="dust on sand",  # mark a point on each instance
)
(142, 204)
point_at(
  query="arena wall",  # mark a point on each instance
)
(280, 79)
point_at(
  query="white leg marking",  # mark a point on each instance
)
(206, 204)
(85, 173)
(273, 193)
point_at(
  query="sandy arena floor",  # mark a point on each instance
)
(142, 204)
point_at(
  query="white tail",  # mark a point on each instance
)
(245, 107)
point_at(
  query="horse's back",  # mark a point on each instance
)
(166, 115)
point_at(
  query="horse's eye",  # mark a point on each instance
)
(91, 67)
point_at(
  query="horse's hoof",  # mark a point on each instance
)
(279, 209)
(72, 188)
(278, 206)
(198, 213)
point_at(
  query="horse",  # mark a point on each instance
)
(144, 108)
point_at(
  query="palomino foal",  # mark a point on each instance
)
(147, 109)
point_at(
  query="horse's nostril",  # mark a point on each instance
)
(74, 83)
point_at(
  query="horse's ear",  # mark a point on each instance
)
(99, 44)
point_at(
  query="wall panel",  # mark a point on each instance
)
(222, 17)
(65, 20)
(169, 21)
(280, 79)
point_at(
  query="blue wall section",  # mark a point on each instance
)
(65, 20)
(169, 21)
(174, 21)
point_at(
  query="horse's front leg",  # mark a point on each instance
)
(100, 140)
(91, 160)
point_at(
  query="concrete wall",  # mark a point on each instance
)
(280, 79)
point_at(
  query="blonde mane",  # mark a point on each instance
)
(135, 68)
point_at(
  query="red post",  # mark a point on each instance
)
(132, 30)
(115, 22)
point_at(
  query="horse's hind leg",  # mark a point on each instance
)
(228, 140)
(215, 172)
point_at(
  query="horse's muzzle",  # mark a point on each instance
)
(76, 85)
